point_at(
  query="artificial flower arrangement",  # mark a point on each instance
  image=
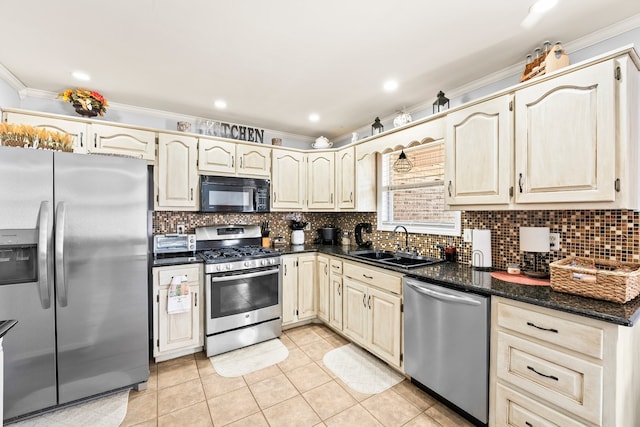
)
(19, 135)
(86, 102)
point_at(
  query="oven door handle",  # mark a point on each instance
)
(244, 276)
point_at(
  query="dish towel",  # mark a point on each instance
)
(179, 296)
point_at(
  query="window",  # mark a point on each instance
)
(415, 199)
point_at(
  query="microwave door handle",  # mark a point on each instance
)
(61, 280)
(43, 255)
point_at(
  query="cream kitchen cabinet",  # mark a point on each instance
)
(216, 157)
(324, 292)
(335, 297)
(177, 334)
(321, 181)
(478, 153)
(548, 367)
(288, 181)
(78, 130)
(126, 141)
(298, 288)
(366, 179)
(372, 310)
(574, 142)
(346, 179)
(176, 176)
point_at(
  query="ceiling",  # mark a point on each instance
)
(277, 61)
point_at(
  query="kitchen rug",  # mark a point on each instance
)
(360, 370)
(248, 359)
(108, 411)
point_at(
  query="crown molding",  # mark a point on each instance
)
(12, 80)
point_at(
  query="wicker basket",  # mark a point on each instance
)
(600, 279)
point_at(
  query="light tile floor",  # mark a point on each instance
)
(300, 391)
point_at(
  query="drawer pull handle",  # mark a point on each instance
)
(367, 277)
(555, 331)
(364, 300)
(528, 424)
(531, 368)
(369, 302)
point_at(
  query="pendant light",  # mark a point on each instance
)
(403, 164)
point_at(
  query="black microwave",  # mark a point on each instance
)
(231, 194)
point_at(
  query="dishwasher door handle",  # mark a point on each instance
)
(444, 296)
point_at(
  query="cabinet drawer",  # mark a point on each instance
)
(374, 277)
(569, 382)
(336, 266)
(192, 273)
(517, 410)
(566, 333)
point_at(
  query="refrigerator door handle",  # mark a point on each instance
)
(43, 255)
(61, 280)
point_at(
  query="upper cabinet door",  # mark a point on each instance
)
(121, 140)
(254, 160)
(288, 180)
(346, 183)
(321, 181)
(478, 149)
(566, 138)
(176, 177)
(77, 130)
(217, 156)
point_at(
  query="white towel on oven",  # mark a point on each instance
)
(179, 299)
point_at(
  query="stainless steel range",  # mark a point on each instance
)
(243, 288)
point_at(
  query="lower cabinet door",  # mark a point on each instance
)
(335, 304)
(384, 325)
(181, 330)
(355, 310)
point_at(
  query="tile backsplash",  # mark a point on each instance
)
(600, 234)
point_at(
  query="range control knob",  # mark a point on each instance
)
(228, 267)
(218, 267)
(272, 261)
(247, 263)
(263, 262)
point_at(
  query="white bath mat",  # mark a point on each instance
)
(248, 359)
(360, 370)
(108, 411)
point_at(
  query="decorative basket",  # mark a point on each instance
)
(600, 279)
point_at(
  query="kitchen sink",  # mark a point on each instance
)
(398, 259)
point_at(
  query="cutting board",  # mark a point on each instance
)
(520, 279)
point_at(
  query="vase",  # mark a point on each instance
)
(83, 112)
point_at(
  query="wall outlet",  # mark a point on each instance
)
(554, 241)
(180, 228)
(468, 235)
(308, 226)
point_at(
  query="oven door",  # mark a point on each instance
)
(237, 299)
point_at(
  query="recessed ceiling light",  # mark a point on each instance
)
(313, 117)
(81, 75)
(390, 85)
(536, 11)
(220, 104)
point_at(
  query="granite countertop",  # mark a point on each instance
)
(5, 325)
(463, 277)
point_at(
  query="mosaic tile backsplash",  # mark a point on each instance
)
(600, 234)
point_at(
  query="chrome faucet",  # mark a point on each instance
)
(406, 236)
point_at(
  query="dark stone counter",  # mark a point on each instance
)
(462, 277)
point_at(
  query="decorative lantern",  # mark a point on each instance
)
(403, 164)
(376, 127)
(441, 104)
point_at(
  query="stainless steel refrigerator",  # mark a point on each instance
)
(73, 272)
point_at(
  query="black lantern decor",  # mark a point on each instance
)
(376, 127)
(441, 104)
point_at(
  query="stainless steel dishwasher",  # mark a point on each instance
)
(446, 344)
